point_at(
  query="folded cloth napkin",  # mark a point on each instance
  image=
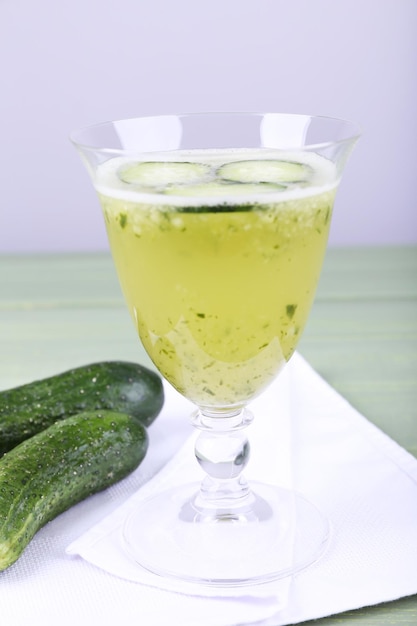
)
(304, 435)
(361, 480)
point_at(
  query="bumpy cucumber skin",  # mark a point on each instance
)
(110, 385)
(60, 466)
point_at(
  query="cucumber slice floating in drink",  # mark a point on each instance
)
(216, 188)
(198, 179)
(265, 171)
(161, 173)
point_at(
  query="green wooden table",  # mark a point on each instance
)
(62, 311)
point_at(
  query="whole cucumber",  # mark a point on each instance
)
(60, 466)
(110, 385)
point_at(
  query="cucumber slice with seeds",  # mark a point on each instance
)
(161, 173)
(265, 171)
(223, 189)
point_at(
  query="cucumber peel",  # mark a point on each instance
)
(109, 385)
(60, 466)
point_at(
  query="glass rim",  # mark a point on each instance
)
(354, 135)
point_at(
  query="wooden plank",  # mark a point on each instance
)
(362, 335)
(54, 281)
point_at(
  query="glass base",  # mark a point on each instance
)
(272, 534)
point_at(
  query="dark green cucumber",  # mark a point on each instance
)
(60, 466)
(110, 385)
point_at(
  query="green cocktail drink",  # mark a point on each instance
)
(218, 224)
(219, 254)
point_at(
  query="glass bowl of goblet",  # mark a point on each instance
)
(218, 225)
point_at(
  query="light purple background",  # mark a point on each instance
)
(72, 63)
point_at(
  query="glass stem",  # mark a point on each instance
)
(222, 450)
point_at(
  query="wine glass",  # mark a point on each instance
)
(218, 225)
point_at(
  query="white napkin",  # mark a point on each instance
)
(363, 481)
